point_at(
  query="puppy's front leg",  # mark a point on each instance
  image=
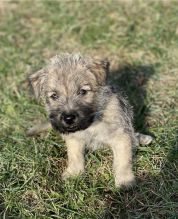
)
(75, 152)
(122, 163)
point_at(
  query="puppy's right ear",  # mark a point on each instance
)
(100, 68)
(37, 81)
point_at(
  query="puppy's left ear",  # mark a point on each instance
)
(37, 82)
(100, 68)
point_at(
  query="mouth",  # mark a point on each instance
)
(71, 129)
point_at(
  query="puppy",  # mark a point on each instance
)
(87, 113)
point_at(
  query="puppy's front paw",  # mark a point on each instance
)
(68, 173)
(125, 181)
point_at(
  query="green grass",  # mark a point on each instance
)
(141, 41)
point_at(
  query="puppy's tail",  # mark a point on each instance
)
(38, 129)
(142, 139)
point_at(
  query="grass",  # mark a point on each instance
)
(141, 41)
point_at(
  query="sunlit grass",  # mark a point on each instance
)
(141, 41)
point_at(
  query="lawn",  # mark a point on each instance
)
(140, 38)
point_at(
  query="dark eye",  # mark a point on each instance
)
(54, 96)
(83, 92)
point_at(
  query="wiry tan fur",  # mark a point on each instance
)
(104, 116)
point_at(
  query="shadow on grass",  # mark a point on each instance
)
(155, 195)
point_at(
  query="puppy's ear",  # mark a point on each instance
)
(37, 81)
(100, 68)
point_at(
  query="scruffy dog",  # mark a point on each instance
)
(87, 112)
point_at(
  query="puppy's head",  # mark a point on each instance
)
(69, 85)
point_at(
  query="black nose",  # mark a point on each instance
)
(69, 118)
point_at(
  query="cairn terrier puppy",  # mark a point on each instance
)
(87, 112)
